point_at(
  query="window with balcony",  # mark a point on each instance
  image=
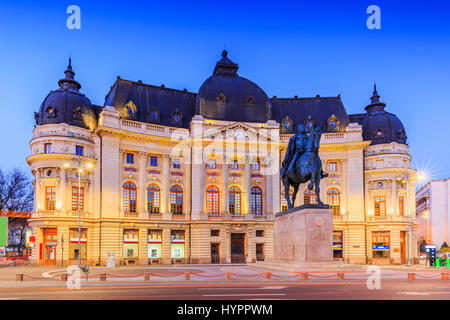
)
(129, 197)
(380, 206)
(77, 199)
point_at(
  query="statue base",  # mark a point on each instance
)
(304, 234)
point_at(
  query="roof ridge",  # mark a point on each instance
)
(153, 86)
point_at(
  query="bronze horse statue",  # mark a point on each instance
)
(307, 167)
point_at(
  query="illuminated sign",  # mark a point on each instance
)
(3, 231)
(380, 247)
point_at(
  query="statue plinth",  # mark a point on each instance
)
(304, 234)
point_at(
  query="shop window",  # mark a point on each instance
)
(401, 205)
(129, 197)
(177, 239)
(77, 199)
(309, 197)
(154, 244)
(79, 150)
(332, 166)
(153, 161)
(234, 200)
(337, 245)
(176, 163)
(212, 164)
(381, 244)
(212, 200)
(73, 243)
(50, 197)
(215, 233)
(260, 233)
(130, 243)
(176, 200)
(130, 158)
(284, 204)
(153, 198)
(256, 201)
(380, 206)
(334, 201)
(48, 148)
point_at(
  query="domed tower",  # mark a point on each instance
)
(227, 96)
(389, 185)
(62, 161)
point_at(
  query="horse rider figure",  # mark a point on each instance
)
(296, 147)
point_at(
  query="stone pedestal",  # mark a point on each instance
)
(304, 234)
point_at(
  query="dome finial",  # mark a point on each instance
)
(224, 53)
(68, 82)
(375, 97)
(375, 104)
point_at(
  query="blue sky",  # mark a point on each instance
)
(287, 47)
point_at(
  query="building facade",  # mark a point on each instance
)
(433, 212)
(165, 176)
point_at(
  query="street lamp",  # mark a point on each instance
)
(80, 170)
(419, 177)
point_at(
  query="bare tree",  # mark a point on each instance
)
(16, 194)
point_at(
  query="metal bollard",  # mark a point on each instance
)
(267, 276)
(102, 276)
(64, 276)
(444, 276)
(411, 276)
(147, 276)
(304, 276)
(19, 277)
(341, 275)
(227, 276)
(187, 276)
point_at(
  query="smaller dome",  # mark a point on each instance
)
(380, 126)
(67, 105)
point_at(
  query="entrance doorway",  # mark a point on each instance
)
(215, 257)
(259, 252)
(238, 248)
(403, 246)
(50, 243)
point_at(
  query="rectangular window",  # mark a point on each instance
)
(214, 233)
(79, 150)
(337, 245)
(381, 244)
(332, 166)
(153, 161)
(47, 148)
(234, 164)
(50, 197)
(176, 164)
(255, 166)
(260, 233)
(77, 199)
(154, 244)
(130, 158)
(73, 243)
(212, 164)
(380, 206)
(130, 243)
(401, 205)
(177, 239)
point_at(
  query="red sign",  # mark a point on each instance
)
(32, 239)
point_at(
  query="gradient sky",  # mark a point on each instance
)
(289, 48)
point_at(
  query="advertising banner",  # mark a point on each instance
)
(3, 231)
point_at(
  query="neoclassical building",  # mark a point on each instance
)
(161, 175)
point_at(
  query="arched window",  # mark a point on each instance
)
(309, 197)
(176, 200)
(234, 200)
(284, 204)
(212, 200)
(153, 197)
(334, 200)
(256, 201)
(129, 197)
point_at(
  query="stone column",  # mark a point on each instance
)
(224, 202)
(187, 185)
(202, 187)
(37, 191)
(165, 198)
(268, 195)
(247, 187)
(394, 198)
(142, 188)
(63, 192)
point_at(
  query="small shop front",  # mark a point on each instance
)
(381, 247)
(130, 246)
(154, 246)
(50, 245)
(177, 246)
(74, 245)
(338, 246)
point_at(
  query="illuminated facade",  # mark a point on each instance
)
(171, 176)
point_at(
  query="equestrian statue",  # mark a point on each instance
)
(302, 163)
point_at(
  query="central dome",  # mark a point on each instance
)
(227, 96)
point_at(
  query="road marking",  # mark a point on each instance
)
(243, 294)
(9, 298)
(426, 293)
(274, 287)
